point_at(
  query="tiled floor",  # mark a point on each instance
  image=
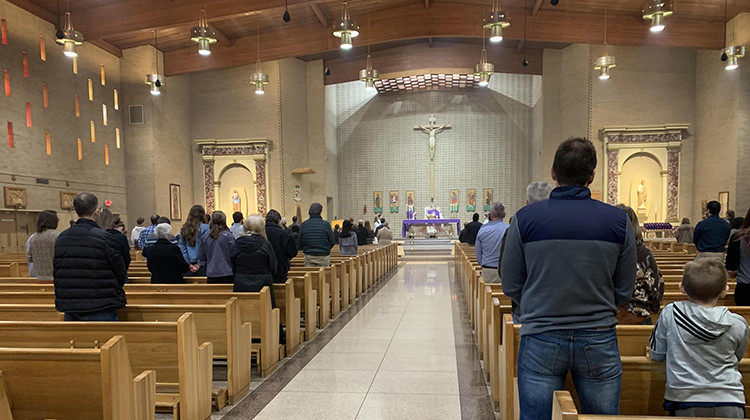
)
(396, 359)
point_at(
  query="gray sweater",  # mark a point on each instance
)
(702, 347)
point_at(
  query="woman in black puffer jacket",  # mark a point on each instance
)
(253, 259)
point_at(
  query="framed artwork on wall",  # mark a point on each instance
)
(704, 208)
(724, 201)
(394, 201)
(487, 199)
(15, 197)
(66, 200)
(377, 198)
(410, 205)
(175, 202)
(454, 201)
(471, 200)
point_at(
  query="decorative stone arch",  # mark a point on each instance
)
(220, 155)
(663, 143)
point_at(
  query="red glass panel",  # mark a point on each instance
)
(3, 31)
(25, 64)
(11, 142)
(6, 81)
(28, 114)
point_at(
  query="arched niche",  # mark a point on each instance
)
(641, 180)
(661, 145)
(229, 164)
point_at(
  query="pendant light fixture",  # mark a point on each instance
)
(496, 21)
(155, 80)
(369, 75)
(259, 79)
(731, 54)
(657, 11)
(203, 34)
(484, 70)
(287, 17)
(346, 29)
(69, 38)
(606, 62)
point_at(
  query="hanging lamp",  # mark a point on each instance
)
(346, 29)
(657, 11)
(484, 70)
(203, 34)
(606, 62)
(369, 75)
(69, 38)
(155, 80)
(496, 21)
(259, 79)
(731, 54)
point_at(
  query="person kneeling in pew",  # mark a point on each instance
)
(702, 344)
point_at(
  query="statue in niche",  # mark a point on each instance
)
(236, 201)
(642, 195)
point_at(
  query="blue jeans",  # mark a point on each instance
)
(105, 315)
(591, 356)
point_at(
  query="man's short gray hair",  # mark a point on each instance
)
(163, 231)
(538, 191)
(497, 211)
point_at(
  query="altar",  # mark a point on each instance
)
(431, 228)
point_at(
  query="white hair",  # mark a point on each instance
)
(163, 231)
(497, 211)
(283, 220)
(538, 191)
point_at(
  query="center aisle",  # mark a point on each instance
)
(395, 359)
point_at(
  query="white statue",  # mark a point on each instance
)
(642, 195)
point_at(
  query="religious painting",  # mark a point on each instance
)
(471, 200)
(487, 199)
(66, 200)
(175, 202)
(297, 193)
(377, 198)
(15, 197)
(454, 201)
(410, 213)
(394, 201)
(724, 201)
(704, 208)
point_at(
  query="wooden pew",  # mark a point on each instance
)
(170, 349)
(320, 278)
(219, 324)
(255, 308)
(564, 408)
(75, 384)
(9, 270)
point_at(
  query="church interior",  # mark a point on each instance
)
(420, 112)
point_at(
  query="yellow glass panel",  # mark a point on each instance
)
(93, 133)
(45, 95)
(117, 137)
(75, 65)
(80, 149)
(42, 48)
(106, 154)
(78, 106)
(117, 100)
(91, 90)
(102, 74)
(104, 115)
(48, 142)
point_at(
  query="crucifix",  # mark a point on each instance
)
(432, 130)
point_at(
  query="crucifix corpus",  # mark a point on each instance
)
(432, 130)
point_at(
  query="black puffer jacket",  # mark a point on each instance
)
(284, 248)
(123, 245)
(254, 263)
(88, 270)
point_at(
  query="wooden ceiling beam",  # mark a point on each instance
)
(520, 46)
(426, 4)
(537, 7)
(319, 14)
(106, 46)
(410, 22)
(39, 11)
(221, 36)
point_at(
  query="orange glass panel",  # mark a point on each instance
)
(101, 70)
(78, 107)
(91, 90)
(28, 114)
(47, 142)
(117, 137)
(93, 133)
(45, 95)
(42, 48)
(117, 101)
(104, 115)
(3, 31)
(6, 81)
(11, 142)
(75, 65)
(80, 149)
(25, 64)
(106, 154)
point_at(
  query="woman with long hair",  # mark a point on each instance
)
(217, 249)
(109, 223)
(649, 285)
(738, 261)
(190, 240)
(41, 249)
(348, 239)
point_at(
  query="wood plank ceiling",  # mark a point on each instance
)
(120, 24)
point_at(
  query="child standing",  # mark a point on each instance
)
(702, 344)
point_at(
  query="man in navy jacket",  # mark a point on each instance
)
(569, 262)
